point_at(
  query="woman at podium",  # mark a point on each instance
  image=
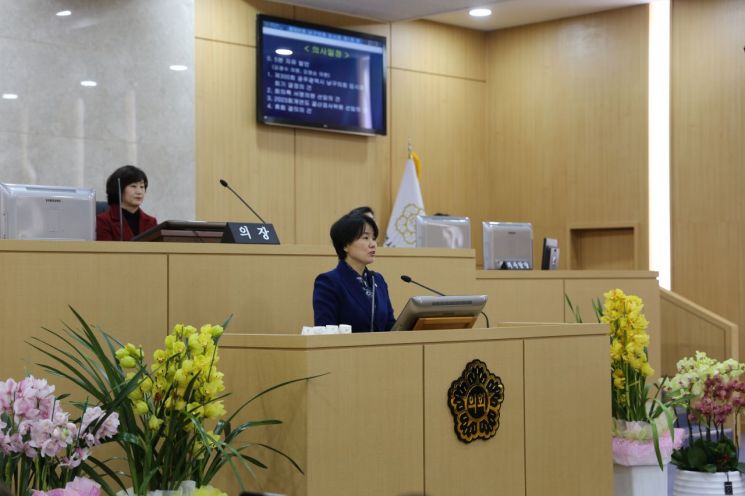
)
(351, 293)
(124, 219)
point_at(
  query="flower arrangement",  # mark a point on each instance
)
(643, 429)
(171, 411)
(41, 448)
(711, 393)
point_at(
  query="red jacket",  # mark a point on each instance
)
(107, 225)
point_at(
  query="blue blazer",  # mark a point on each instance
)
(338, 298)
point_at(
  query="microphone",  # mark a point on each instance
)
(121, 217)
(408, 279)
(372, 313)
(225, 184)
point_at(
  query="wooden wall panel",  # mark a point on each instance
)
(544, 443)
(257, 161)
(125, 295)
(567, 123)
(433, 48)
(707, 155)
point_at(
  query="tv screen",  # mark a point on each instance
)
(30, 211)
(320, 77)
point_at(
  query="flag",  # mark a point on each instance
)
(401, 232)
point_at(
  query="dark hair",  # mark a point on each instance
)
(125, 175)
(349, 229)
(363, 211)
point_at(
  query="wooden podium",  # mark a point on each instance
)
(183, 231)
(379, 422)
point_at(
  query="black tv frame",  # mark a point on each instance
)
(290, 122)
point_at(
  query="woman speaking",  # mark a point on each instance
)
(351, 293)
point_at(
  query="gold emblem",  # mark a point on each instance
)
(475, 399)
(406, 222)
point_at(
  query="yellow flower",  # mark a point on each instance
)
(141, 408)
(214, 410)
(127, 362)
(154, 422)
(647, 370)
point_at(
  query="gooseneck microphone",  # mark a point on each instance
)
(372, 315)
(225, 184)
(408, 279)
(412, 281)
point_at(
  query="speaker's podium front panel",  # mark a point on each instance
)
(413, 413)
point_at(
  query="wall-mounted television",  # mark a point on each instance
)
(320, 77)
(508, 245)
(442, 231)
(29, 211)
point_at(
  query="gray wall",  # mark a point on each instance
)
(58, 132)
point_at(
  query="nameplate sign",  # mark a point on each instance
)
(250, 234)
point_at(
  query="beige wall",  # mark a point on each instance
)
(708, 155)
(545, 124)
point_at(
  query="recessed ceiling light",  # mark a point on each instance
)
(480, 12)
(283, 51)
(177, 67)
(64, 13)
(10, 96)
(88, 84)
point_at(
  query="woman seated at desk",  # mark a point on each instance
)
(125, 192)
(351, 293)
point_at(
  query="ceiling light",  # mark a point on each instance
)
(10, 96)
(283, 51)
(177, 67)
(479, 12)
(88, 84)
(64, 13)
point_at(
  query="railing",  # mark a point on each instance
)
(688, 327)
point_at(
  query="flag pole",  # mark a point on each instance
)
(410, 149)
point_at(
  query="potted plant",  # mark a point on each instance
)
(173, 425)
(643, 434)
(713, 397)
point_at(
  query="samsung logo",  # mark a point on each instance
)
(52, 200)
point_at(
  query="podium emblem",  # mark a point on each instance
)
(475, 400)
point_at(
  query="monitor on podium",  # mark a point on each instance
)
(440, 312)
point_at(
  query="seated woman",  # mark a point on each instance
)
(109, 225)
(351, 293)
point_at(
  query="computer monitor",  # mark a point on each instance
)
(30, 211)
(443, 231)
(508, 245)
(419, 307)
(550, 258)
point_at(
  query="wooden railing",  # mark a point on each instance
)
(688, 327)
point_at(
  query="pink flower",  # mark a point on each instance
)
(7, 393)
(84, 487)
(107, 429)
(80, 486)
